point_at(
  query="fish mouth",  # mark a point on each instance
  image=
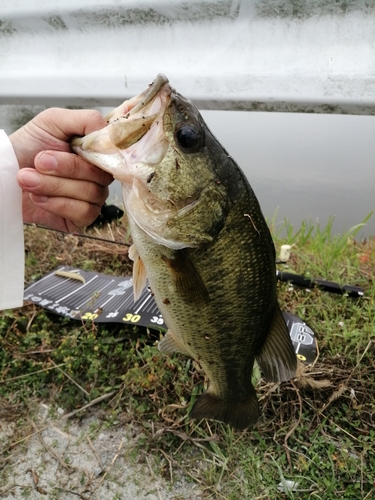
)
(132, 147)
(137, 104)
(127, 124)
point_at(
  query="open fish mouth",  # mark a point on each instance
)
(137, 140)
(127, 124)
(141, 106)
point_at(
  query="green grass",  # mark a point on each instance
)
(317, 430)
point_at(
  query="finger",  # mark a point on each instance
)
(70, 166)
(35, 214)
(64, 123)
(76, 213)
(53, 129)
(48, 186)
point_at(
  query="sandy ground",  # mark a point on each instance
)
(59, 460)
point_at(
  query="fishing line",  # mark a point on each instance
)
(295, 279)
(80, 235)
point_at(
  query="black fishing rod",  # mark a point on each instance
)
(327, 286)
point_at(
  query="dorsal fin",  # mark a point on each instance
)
(277, 358)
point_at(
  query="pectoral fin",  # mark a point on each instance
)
(277, 358)
(187, 280)
(139, 273)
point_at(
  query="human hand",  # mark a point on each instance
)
(60, 189)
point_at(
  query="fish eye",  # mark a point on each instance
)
(188, 138)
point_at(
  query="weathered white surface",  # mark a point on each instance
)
(273, 55)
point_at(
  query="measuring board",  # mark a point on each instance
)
(102, 298)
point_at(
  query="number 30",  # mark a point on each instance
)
(133, 318)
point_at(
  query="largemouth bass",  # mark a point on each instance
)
(201, 240)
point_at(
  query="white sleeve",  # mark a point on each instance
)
(12, 255)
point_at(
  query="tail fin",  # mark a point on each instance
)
(239, 414)
(277, 358)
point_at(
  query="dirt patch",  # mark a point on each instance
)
(65, 460)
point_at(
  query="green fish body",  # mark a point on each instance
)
(201, 239)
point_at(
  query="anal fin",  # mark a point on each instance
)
(277, 358)
(239, 414)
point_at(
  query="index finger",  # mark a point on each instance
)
(66, 123)
(70, 166)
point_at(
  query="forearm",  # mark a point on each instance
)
(11, 229)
